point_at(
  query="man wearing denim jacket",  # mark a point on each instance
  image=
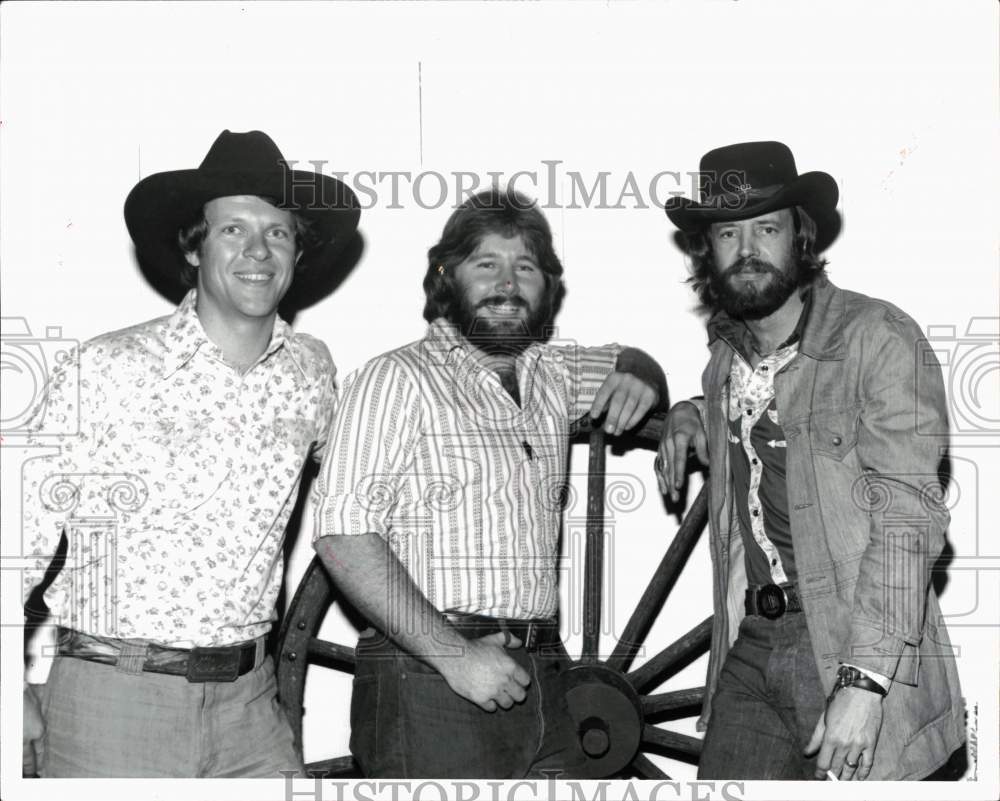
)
(829, 656)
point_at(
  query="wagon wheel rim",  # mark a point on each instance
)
(620, 747)
(298, 647)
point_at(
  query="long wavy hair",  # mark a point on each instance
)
(494, 211)
(698, 247)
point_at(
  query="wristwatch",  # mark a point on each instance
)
(852, 677)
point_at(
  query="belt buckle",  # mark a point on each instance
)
(213, 664)
(772, 601)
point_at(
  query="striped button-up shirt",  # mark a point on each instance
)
(175, 480)
(430, 452)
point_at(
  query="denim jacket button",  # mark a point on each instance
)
(837, 440)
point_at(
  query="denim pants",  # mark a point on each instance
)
(406, 722)
(766, 704)
(101, 721)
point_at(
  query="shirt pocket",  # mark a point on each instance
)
(834, 434)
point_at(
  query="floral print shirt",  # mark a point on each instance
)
(174, 481)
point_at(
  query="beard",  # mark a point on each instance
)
(750, 301)
(498, 336)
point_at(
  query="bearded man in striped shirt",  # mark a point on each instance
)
(438, 513)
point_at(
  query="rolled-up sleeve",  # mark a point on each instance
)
(585, 370)
(372, 437)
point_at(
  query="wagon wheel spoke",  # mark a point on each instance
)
(594, 558)
(679, 744)
(672, 658)
(331, 768)
(665, 704)
(644, 768)
(325, 651)
(661, 584)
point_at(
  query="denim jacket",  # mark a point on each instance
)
(864, 413)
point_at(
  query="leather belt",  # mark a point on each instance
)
(772, 600)
(220, 663)
(534, 634)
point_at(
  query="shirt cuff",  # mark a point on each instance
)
(883, 681)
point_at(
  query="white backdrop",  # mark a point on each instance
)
(896, 100)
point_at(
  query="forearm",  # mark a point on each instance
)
(375, 581)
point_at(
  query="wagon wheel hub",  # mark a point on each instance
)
(607, 714)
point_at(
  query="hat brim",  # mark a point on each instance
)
(816, 192)
(161, 204)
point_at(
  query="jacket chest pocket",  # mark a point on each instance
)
(834, 434)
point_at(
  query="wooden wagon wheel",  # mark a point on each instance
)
(614, 707)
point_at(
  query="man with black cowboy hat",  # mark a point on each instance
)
(209, 414)
(829, 655)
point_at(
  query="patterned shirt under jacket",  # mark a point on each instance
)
(175, 489)
(429, 451)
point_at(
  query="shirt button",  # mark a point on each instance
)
(774, 562)
(763, 368)
(749, 412)
(756, 512)
(753, 461)
(837, 440)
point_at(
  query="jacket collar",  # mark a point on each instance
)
(821, 329)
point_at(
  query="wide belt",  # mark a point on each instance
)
(219, 663)
(533, 634)
(772, 600)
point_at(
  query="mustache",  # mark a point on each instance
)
(500, 300)
(750, 264)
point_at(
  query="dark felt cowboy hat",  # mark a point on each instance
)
(752, 178)
(237, 164)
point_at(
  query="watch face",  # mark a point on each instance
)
(846, 675)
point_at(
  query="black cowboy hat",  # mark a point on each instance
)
(237, 164)
(752, 178)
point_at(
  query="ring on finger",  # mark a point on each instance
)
(851, 765)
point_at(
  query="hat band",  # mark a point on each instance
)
(734, 200)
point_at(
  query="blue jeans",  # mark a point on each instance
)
(766, 705)
(406, 722)
(101, 721)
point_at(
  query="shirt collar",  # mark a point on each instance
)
(185, 336)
